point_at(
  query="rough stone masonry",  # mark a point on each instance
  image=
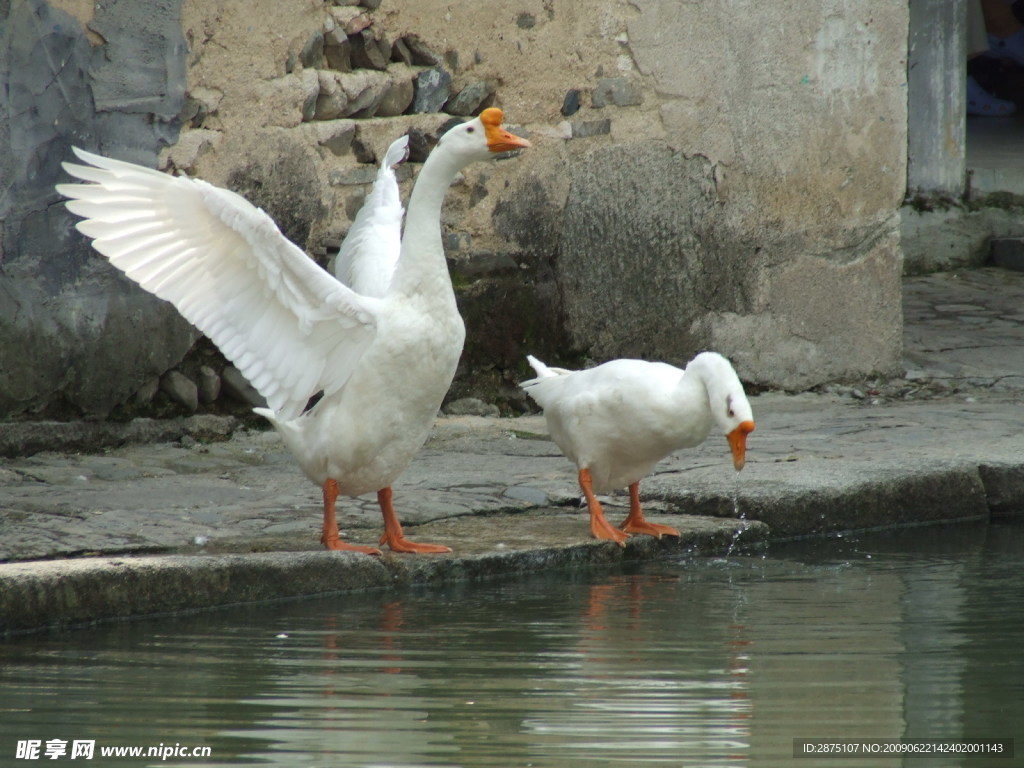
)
(695, 183)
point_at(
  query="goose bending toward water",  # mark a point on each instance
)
(382, 350)
(619, 419)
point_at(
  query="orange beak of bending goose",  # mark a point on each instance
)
(498, 139)
(738, 443)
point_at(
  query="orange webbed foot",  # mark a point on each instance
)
(651, 529)
(602, 529)
(402, 544)
(336, 544)
(393, 535)
(635, 522)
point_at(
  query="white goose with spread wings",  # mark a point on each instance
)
(383, 359)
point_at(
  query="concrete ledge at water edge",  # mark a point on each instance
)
(812, 501)
(65, 593)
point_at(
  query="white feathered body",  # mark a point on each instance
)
(366, 434)
(621, 418)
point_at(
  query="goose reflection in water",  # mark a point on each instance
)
(596, 669)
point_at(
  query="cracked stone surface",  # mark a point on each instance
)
(965, 328)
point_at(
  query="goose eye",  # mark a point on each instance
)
(471, 129)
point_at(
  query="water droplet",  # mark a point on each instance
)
(741, 516)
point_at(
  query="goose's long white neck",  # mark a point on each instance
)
(698, 372)
(692, 389)
(711, 379)
(422, 267)
(701, 382)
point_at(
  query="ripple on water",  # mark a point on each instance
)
(713, 662)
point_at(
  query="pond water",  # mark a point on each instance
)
(708, 662)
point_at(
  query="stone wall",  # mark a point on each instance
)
(694, 182)
(75, 336)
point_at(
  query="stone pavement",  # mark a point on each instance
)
(174, 524)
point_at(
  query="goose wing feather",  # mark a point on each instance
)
(289, 326)
(370, 251)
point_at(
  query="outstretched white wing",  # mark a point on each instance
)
(369, 253)
(289, 326)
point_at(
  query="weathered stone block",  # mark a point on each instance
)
(398, 97)
(470, 100)
(644, 249)
(181, 390)
(349, 18)
(366, 52)
(237, 386)
(617, 91)
(190, 146)
(432, 88)
(312, 54)
(200, 103)
(347, 94)
(571, 103)
(365, 90)
(800, 330)
(400, 52)
(208, 385)
(585, 129)
(420, 53)
(338, 51)
(331, 101)
(334, 135)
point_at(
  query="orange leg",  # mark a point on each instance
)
(635, 522)
(330, 538)
(600, 528)
(393, 535)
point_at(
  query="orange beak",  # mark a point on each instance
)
(498, 139)
(738, 443)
